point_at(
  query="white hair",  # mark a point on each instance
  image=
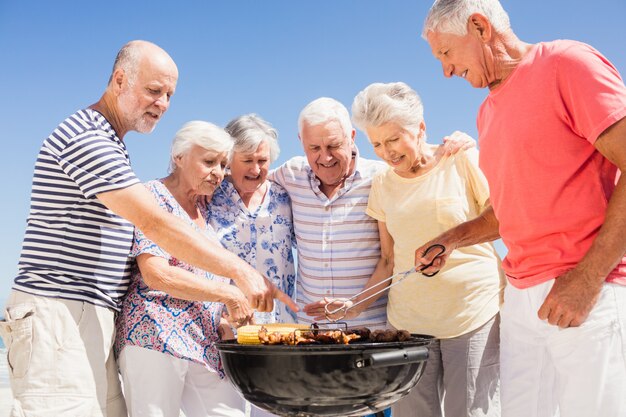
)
(451, 16)
(248, 131)
(322, 111)
(204, 134)
(382, 103)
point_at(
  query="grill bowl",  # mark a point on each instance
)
(325, 380)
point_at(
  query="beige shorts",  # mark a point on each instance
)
(60, 358)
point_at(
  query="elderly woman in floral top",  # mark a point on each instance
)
(252, 215)
(170, 319)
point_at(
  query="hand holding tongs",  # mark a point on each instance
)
(400, 277)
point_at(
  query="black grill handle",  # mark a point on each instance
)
(393, 357)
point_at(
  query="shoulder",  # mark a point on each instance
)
(297, 163)
(279, 196)
(464, 161)
(465, 156)
(156, 187)
(222, 197)
(278, 190)
(368, 168)
(382, 177)
(568, 52)
(294, 170)
(85, 130)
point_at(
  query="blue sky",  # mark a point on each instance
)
(270, 57)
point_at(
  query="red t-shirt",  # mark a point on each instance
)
(549, 186)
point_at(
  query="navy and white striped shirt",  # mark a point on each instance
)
(74, 247)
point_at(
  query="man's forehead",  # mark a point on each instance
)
(325, 136)
(158, 66)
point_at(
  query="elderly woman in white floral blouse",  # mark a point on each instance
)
(252, 215)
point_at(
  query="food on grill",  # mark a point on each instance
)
(389, 335)
(299, 334)
(299, 337)
(249, 334)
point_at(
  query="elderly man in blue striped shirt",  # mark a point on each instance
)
(338, 244)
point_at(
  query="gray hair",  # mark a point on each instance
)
(451, 16)
(382, 103)
(248, 131)
(127, 59)
(324, 110)
(204, 134)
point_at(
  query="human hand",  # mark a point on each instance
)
(457, 141)
(570, 300)
(258, 290)
(284, 298)
(238, 310)
(224, 329)
(341, 306)
(431, 257)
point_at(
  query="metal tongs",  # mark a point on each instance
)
(400, 277)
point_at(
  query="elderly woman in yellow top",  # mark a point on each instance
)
(424, 193)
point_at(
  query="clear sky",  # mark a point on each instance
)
(270, 57)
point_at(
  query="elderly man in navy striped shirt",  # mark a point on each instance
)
(74, 267)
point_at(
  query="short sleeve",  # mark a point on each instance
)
(141, 243)
(475, 178)
(592, 90)
(97, 164)
(374, 202)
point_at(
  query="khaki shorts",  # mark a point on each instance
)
(60, 358)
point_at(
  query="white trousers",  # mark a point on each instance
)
(159, 385)
(578, 371)
(60, 358)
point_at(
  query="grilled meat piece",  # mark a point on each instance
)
(390, 335)
(363, 332)
(266, 338)
(403, 335)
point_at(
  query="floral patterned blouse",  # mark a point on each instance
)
(154, 320)
(263, 238)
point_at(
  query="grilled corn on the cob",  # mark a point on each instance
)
(249, 334)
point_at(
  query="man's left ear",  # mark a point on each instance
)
(480, 25)
(353, 135)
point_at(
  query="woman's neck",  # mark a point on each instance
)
(184, 195)
(253, 199)
(429, 157)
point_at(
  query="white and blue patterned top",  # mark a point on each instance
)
(263, 238)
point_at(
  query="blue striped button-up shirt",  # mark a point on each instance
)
(338, 244)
